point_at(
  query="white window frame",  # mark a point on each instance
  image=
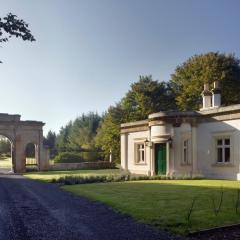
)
(140, 151)
(186, 150)
(223, 146)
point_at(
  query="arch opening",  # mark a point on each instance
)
(6, 155)
(31, 153)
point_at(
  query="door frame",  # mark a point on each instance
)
(154, 156)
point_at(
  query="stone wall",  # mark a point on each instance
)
(83, 165)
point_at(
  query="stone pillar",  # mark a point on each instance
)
(45, 156)
(19, 155)
(167, 158)
(37, 156)
(124, 151)
(13, 156)
(152, 159)
(194, 150)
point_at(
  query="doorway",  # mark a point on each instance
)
(160, 159)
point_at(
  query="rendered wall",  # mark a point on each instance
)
(179, 134)
(206, 134)
(132, 166)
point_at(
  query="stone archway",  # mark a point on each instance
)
(20, 133)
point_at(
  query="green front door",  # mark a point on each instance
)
(160, 159)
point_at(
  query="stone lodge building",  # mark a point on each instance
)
(174, 143)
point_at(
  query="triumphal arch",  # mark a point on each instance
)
(20, 134)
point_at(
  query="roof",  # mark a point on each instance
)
(177, 117)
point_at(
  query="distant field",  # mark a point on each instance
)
(5, 162)
(49, 175)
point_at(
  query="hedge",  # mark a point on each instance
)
(77, 157)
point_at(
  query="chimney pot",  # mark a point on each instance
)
(216, 85)
(216, 94)
(206, 86)
(206, 97)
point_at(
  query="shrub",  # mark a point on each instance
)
(77, 157)
(68, 157)
(69, 180)
(91, 156)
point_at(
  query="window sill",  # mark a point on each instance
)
(223, 165)
(185, 164)
(141, 163)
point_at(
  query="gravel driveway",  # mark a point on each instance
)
(35, 210)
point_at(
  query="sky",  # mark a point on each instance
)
(88, 52)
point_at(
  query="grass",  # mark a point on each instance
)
(166, 203)
(49, 175)
(5, 162)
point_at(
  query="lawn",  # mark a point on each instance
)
(5, 162)
(165, 203)
(49, 175)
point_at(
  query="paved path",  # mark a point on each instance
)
(35, 210)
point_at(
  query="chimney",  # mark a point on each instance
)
(216, 94)
(206, 97)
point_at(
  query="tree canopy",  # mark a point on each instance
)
(50, 141)
(108, 133)
(188, 79)
(147, 96)
(83, 131)
(11, 25)
(144, 97)
(79, 134)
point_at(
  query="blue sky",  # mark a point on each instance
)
(88, 52)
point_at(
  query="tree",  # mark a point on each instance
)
(30, 150)
(108, 134)
(145, 97)
(83, 132)
(12, 26)
(62, 140)
(188, 79)
(5, 146)
(50, 141)
(79, 135)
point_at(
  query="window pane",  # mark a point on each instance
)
(138, 156)
(140, 153)
(185, 155)
(219, 142)
(227, 141)
(142, 156)
(227, 154)
(219, 155)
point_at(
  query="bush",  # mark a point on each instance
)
(91, 156)
(77, 157)
(68, 157)
(124, 177)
